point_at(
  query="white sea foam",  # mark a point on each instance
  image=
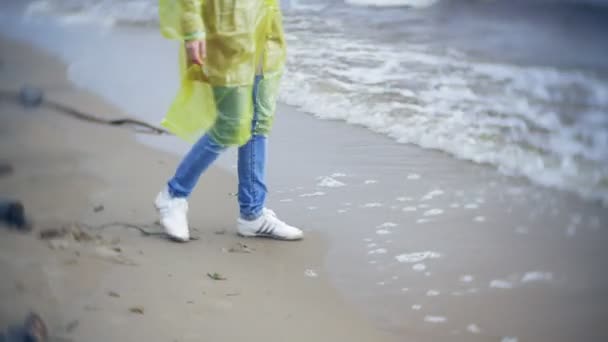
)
(509, 339)
(370, 181)
(432, 194)
(417, 256)
(536, 276)
(387, 225)
(423, 220)
(479, 219)
(501, 284)
(413, 176)
(383, 232)
(433, 212)
(416, 307)
(404, 199)
(467, 278)
(372, 205)
(419, 267)
(311, 273)
(471, 206)
(393, 3)
(286, 200)
(432, 293)
(435, 319)
(409, 209)
(313, 194)
(473, 329)
(329, 182)
(378, 251)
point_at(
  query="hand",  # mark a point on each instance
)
(196, 51)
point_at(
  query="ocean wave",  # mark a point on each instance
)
(393, 3)
(546, 124)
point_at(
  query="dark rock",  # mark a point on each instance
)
(30, 96)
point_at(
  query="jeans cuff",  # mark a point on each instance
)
(175, 193)
(251, 216)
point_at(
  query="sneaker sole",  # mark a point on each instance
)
(272, 237)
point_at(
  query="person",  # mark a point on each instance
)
(235, 53)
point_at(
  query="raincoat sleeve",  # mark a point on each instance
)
(181, 19)
(192, 19)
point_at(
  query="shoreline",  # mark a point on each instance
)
(74, 173)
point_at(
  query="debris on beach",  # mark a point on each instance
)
(12, 213)
(113, 294)
(216, 276)
(137, 310)
(5, 169)
(98, 208)
(72, 326)
(239, 247)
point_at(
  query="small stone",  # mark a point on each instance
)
(113, 294)
(137, 310)
(98, 208)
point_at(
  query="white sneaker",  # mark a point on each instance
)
(269, 226)
(173, 215)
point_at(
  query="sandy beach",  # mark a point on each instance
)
(75, 174)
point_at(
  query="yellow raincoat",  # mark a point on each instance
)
(243, 37)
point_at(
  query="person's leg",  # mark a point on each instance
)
(252, 168)
(171, 202)
(255, 219)
(201, 156)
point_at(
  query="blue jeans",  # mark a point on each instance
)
(251, 168)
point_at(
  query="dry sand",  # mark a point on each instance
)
(75, 174)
